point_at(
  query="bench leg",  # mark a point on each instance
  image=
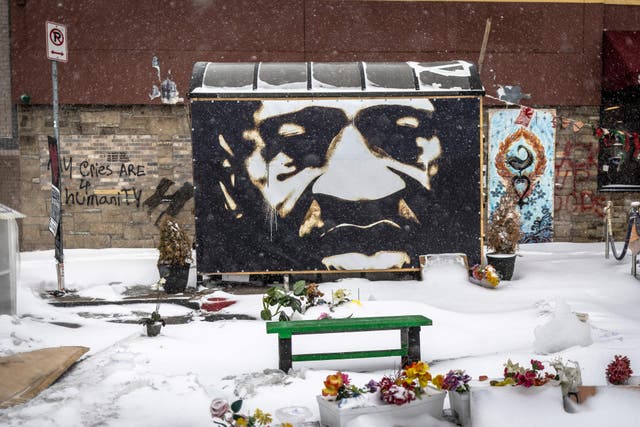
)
(284, 353)
(410, 338)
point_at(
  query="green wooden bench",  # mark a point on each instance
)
(409, 327)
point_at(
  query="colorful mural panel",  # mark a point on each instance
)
(521, 160)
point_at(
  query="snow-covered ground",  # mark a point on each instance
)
(129, 379)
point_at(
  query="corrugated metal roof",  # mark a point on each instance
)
(293, 79)
(7, 213)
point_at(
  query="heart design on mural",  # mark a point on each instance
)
(521, 185)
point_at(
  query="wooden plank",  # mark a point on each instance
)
(349, 355)
(24, 375)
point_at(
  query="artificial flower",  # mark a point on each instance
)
(438, 380)
(418, 371)
(332, 384)
(456, 380)
(218, 407)
(263, 418)
(619, 370)
(518, 375)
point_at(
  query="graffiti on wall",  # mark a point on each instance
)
(521, 156)
(87, 181)
(176, 201)
(572, 175)
(80, 189)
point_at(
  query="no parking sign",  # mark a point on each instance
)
(56, 42)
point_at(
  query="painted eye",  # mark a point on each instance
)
(410, 122)
(290, 129)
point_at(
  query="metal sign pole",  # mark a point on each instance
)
(59, 248)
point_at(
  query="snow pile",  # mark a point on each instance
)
(563, 331)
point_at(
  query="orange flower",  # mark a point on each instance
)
(438, 380)
(332, 384)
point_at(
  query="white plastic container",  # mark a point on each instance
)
(431, 403)
(460, 407)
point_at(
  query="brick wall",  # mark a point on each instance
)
(114, 157)
(578, 206)
(5, 75)
(112, 160)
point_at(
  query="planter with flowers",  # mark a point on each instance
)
(503, 235)
(456, 382)
(406, 394)
(517, 375)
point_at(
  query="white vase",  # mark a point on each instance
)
(460, 407)
(431, 404)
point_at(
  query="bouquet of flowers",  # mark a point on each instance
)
(485, 275)
(514, 374)
(398, 389)
(567, 375)
(225, 415)
(338, 386)
(455, 380)
(619, 370)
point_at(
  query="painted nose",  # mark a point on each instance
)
(352, 171)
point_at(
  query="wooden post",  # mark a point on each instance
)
(284, 354)
(485, 40)
(414, 344)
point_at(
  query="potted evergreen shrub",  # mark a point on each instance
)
(503, 235)
(175, 255)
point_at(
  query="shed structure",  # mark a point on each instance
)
(332, 167)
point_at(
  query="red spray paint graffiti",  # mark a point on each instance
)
(572, 174)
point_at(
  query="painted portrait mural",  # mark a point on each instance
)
(330, 183)
(521, 161)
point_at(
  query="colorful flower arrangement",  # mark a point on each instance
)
(338, 386)
(619, 370)
(485, 274)
(455, 380)
(225, 415)
(514, 374)
(398, 389)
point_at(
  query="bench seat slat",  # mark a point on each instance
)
(287, 328)
(349, 355)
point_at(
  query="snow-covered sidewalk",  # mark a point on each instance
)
(129, 379)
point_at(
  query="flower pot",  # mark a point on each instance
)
(503, 263)
(460, 407)
(153, 329)
(176, 277)
(333, 416)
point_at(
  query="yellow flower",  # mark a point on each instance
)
(287, 425)
(263, 418)
(241, 422)
(332, 384)
(357, 302)
(419, 371)
(438, 380)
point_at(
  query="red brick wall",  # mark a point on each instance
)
(552, 50)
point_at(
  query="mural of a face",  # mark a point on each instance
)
(338, 168)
